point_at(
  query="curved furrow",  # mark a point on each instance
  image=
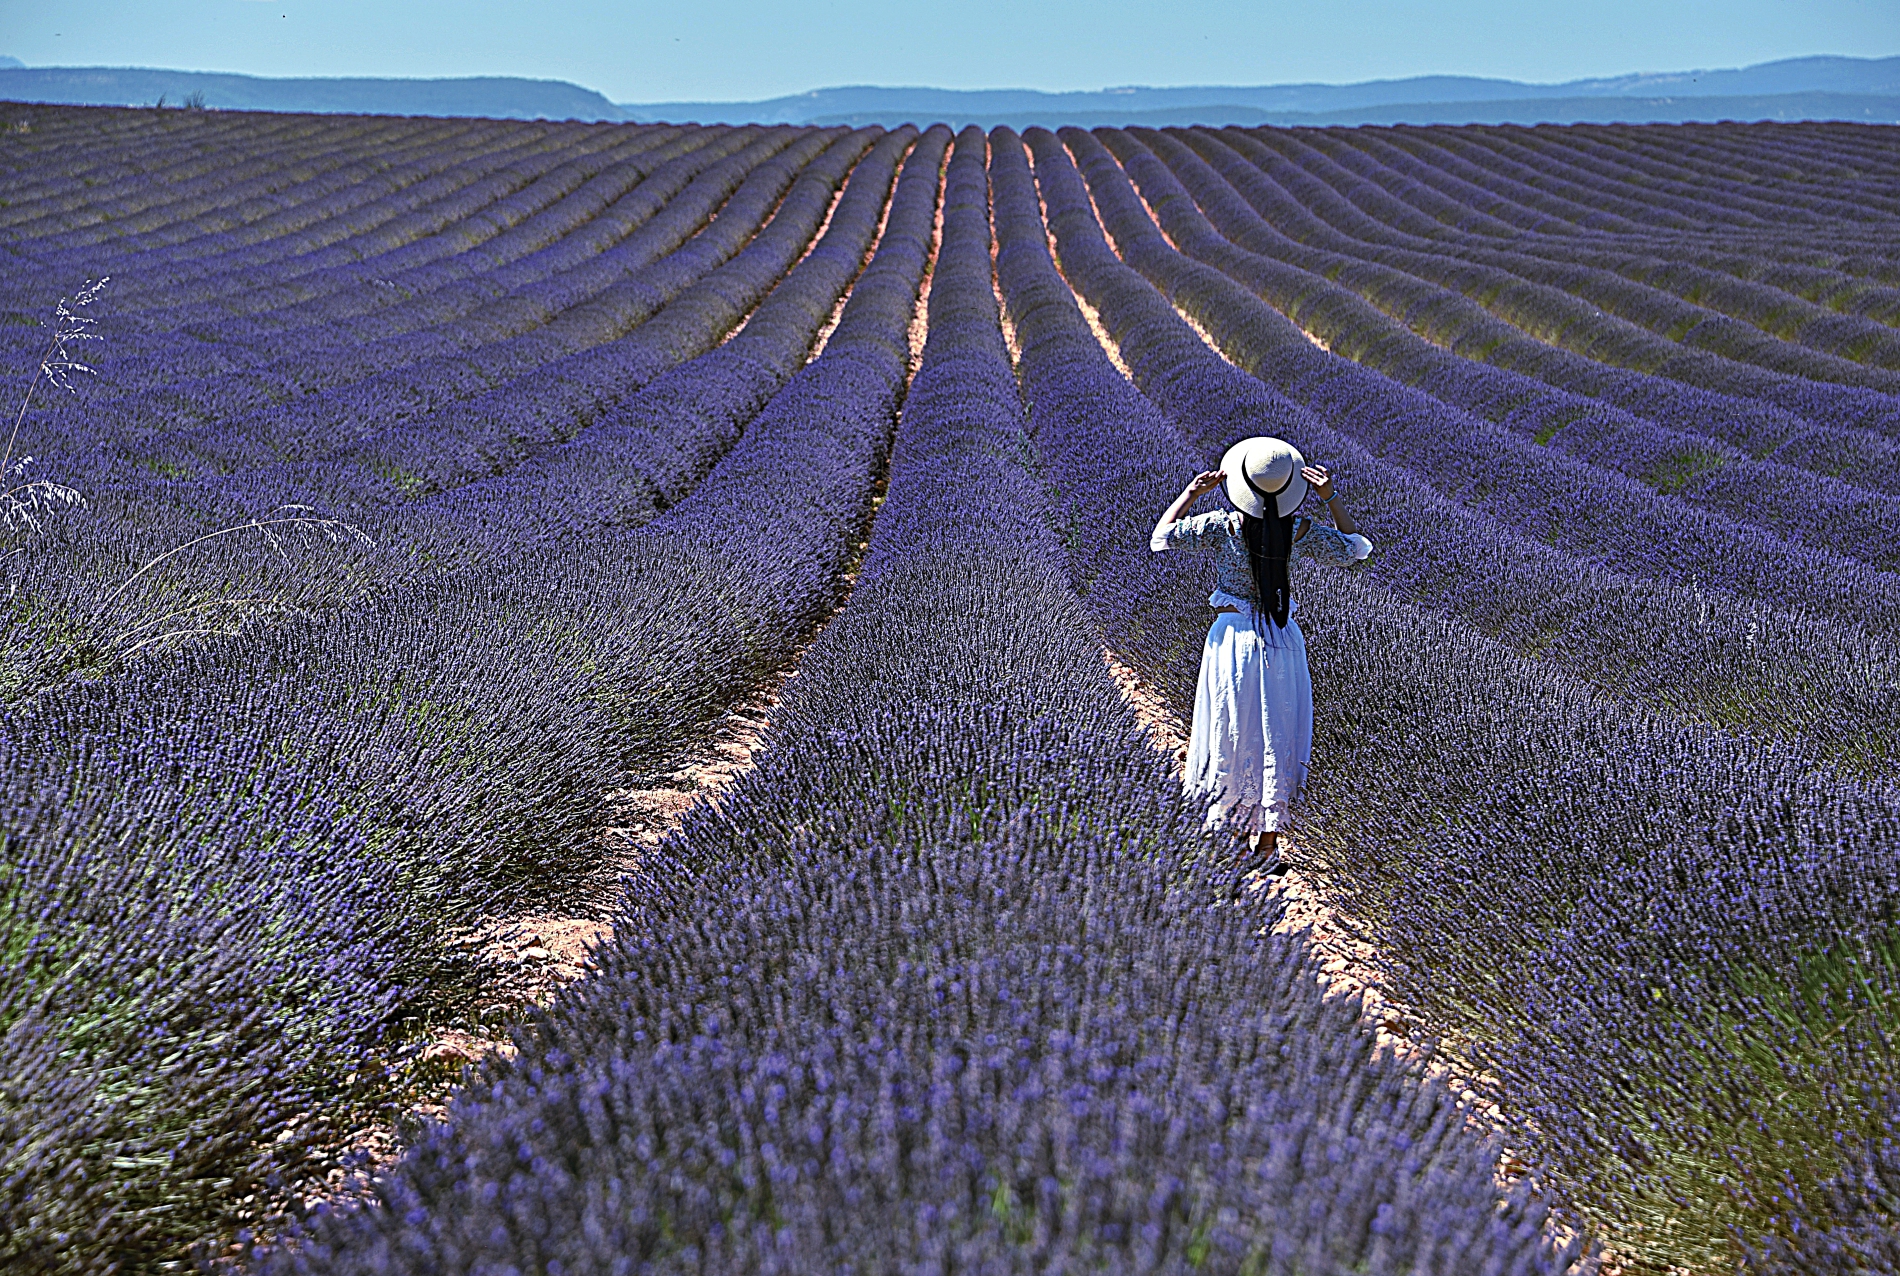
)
(1760, 430)
(144, 377)
(225, 183)
(1670, 317)
(1531, 168)
(547, 401)
(561, 218)
(1670, 179)
(1771, 242)
(206, 144)
(228, 185)
(1676, 270)
(480, 316)
(574, 211)
(1643, 519)
(1735, 358)
(1417, 161)
(642, 456)
(159, 283)
(1458, 164)
(431, 198)
(162, 270)
(1572, 187)
(1773, 249)
(1534, 561)
(1665, 171)
(1826, 514)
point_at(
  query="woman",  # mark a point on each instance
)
(1253, 709)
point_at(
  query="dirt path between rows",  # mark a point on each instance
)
(525, 960)
(1345, 963)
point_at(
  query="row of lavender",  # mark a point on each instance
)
(365, 452)
(1659, 431)
(1524, 303)
(232, 868)
(165, 415)
(595, 206)
(1656, 570)
(1668, 946)
(427, 183)
(947, 982)
(441, 773)
(1788, 206)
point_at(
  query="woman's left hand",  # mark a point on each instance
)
(1321, 481)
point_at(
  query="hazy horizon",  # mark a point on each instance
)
(759, 50)
(1658, 73)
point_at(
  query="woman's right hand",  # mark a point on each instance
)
(1204, 482)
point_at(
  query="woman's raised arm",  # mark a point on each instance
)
(1323, 486)
(1203, 483)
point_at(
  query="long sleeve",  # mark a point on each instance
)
(1331, 546)
(1197, 531)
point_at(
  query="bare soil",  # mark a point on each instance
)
(526, 960)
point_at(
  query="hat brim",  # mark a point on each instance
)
(1243, 497)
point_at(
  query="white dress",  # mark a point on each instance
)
(1253, 708)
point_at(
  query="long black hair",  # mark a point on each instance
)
(1269, 547)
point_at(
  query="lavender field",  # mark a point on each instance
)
(415, 493)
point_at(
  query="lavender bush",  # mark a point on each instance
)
(870, 1015)
(1825, 513)
(1504, 578)
(211, 1056)
(1604, 726)
(1688, 330)
(1480, 832)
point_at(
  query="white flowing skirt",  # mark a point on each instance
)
(1253, 723)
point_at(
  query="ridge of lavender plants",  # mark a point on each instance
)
(445, 477)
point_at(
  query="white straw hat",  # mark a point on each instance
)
(1261, 468)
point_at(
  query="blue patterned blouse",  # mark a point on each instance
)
(1219, 530)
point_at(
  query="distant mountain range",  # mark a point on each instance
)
(496, 96)
(1837, 88)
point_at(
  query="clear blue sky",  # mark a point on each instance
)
(744, 49)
